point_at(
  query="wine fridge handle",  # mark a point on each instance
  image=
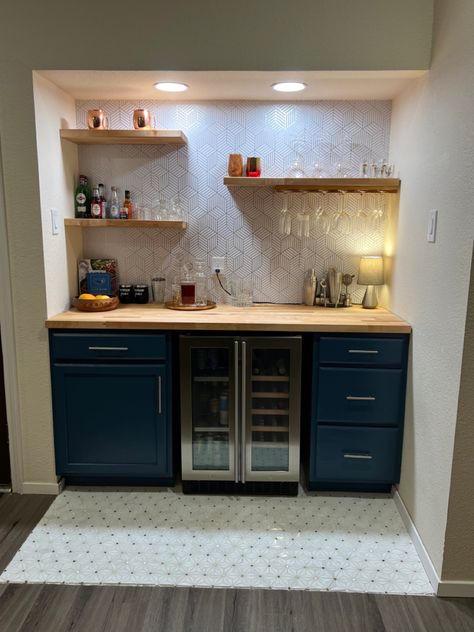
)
(236, 412)
(243, 446)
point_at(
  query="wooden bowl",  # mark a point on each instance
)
(96, 304)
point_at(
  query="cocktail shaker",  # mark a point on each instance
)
(309, 287)
(335, 286)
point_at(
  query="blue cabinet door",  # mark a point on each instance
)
(112, 420)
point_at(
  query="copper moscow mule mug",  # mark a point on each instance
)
(97, 119)
(142, 119)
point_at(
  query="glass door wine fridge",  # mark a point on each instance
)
(240, 409)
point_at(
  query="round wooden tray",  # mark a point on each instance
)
(95, 305)
(190, 308)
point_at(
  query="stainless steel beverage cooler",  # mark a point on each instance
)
(240, 413)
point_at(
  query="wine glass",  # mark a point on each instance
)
(342, 219)
(285, 217)
(362, 215)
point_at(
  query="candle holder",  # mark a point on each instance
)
(254, 169)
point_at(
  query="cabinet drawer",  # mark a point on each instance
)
(373, 351)
(362, 396)
(357, 455)
(100, 346)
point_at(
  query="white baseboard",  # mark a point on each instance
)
(442, 588)
(54, 489)
(417, 541)
(448, 588)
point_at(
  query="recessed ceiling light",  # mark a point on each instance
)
(170, 86)
(289, 86)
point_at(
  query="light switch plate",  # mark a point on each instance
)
(432, 224)
(54, 221)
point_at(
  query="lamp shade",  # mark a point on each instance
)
(371, 271)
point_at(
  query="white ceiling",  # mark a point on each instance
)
(248, 85)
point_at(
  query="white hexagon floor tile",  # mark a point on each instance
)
(165, 538)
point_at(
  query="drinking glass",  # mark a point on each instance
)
(378, 213)
(176, 210)
(285, 217)
(362, 215)
(296, 169)
(242, 292)
(342, 219)
(158, 285)
(160, 209)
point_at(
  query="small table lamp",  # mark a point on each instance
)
(370, 274)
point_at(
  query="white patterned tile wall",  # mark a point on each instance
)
(242, 224)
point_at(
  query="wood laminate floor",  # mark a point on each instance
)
(58, 608)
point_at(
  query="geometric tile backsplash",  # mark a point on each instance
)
(242, 225)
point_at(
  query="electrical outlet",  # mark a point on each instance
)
(218, 263)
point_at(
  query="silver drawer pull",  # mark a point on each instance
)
(108, 348)
(362, 351)
(358, 456)
(159, 395)
(367, 398)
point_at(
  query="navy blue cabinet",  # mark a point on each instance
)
(112, 407)
(357, 411)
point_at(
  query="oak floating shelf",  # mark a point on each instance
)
(124, 136)
(353, 185)
(124, 223)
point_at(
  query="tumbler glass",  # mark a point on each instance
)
(158, 285)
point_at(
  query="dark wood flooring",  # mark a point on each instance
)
(53, 608)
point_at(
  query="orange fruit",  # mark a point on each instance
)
(87, 297)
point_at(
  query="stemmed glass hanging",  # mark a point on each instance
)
(362, 215)
(285, 217)
(378, 213)
(342, 220)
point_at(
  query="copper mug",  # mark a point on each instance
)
(142, 119)
(97, 119)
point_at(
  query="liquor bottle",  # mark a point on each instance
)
(103, 201)
(214, 408)
(82, 198)
(224, 408)
(96, 209)
(126, 212)
(114, 209)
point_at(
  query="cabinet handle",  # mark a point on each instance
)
(353, 398)
(108, 348)
(159, 395)
(362, 351)
(243, 448)
(236, 412)
(349, 455)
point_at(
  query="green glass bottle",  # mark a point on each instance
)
(82, 198)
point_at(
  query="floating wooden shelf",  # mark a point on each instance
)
(124, 136)
(124, 223)
(370, 185)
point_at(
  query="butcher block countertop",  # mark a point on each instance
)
(260, 317)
